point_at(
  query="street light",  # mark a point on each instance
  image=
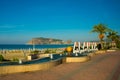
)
(33, 45)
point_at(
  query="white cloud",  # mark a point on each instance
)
(7, 31)
(10, 26)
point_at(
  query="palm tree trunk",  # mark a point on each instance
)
(101, 36)
(101, 44)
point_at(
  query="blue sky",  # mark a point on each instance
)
(22, 20)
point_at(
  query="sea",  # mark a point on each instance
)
(24, 46)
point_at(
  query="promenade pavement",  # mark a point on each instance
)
(100, 67)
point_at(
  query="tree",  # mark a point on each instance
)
(112, 35)
(117, 43)
(1, 58)
(101, 29)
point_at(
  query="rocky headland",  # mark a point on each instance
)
(43, 40)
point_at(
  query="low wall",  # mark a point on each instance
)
(40, 66)
(100, 52)
(76, 59)
(111, 50)
(43, 55)
(29, 67)
(29, 57)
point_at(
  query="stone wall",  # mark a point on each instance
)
(30, 67)
(76, 59)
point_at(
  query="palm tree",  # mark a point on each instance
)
(112, 35)
(101, 29)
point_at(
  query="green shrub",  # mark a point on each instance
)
(47, 51)
(53, 51)
(1, 58)
(118, 44)
(35, 52)
(15, 59)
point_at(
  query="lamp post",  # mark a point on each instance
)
(33, 45)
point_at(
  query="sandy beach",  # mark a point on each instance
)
(101, 67)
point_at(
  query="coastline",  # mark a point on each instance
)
(24, 46)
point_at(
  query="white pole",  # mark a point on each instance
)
(74, 47)
(51, 56)
(87, 45)
(76, 54)
(83, 46)
(92, 46)
(60, 54)
(20, 61)
(33, 45)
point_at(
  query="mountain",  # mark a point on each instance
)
(43, 40)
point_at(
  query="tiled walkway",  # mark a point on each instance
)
(100, 67)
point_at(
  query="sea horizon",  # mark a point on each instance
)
(30, 46)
